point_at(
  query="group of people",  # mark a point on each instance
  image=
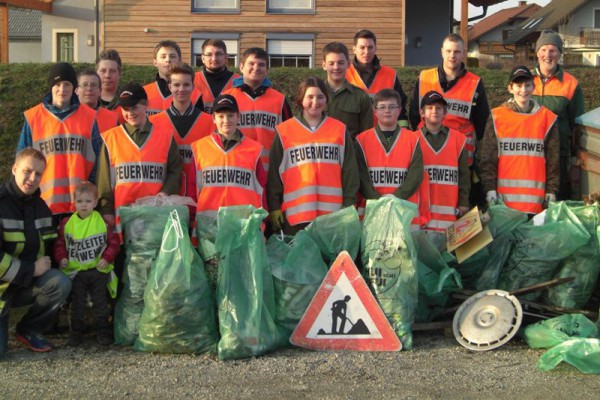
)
(224, 139)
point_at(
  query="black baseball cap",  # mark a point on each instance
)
(520, 73)
(225, 102)
(433, 97)
(132, 94)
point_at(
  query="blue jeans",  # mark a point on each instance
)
(45, 295)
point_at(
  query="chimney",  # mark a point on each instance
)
(522, 3)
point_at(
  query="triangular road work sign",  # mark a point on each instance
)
(344, 315)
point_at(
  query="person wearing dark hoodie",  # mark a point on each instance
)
(67, 134)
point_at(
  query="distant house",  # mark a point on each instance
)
(578, 23)
(65, 31)
(24, 35)
(486, 38)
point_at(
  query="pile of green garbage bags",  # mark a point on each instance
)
(571, 338)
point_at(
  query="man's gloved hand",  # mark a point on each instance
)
(549, 198)
(491, 197)
(276, 219)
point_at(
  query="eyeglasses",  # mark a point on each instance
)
(89, 86)
(215, 55)
(384, 108)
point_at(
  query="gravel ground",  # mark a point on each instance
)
(437, 368)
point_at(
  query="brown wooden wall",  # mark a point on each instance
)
(123, 24)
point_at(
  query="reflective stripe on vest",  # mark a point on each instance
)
(311, 169)
(203, 126)
(387, 170)
(460, 100)
(521, 157)
(136, 172)
(442, 170)
(67, 146)
(259, 117)
(226, 178)
(203, 87)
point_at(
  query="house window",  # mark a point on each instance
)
(597, 18)
(64, 46)
(231, 41)
(291, 6)
(216, 6)
(505, 34)
(290, 51)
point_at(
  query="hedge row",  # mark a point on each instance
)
(23, 85)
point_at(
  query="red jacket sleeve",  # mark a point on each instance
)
(261, 175)
(60, 246)
(113, 245)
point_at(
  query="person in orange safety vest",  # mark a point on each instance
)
(390, 161)
(88, 90)
(313, 164)
(519, 153)
(445, 161)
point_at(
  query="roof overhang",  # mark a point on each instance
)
(41, 5)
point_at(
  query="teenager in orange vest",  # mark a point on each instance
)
(468, 108)
(67, 134)
(214, 77)
(519, 153)
(88, 90)
(167, 54)
(562, 94)
(262, 108)
(313, 165)
(389, 158)
(367, 73)
(187, 122)
(445, 161)
(109, 68)
(138, 158)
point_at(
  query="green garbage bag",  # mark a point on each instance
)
(504, 219)
(583, 264)
(548, 333)
(298, 270)
(130, 303)
(583, 354)
(179, 310)
(537, 251)
(436, 279)
(489, 274)
(206, 230)
(143, 226)
(245, 294)
(336, 232)
(389, 258)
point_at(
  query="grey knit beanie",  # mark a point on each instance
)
(549, 37)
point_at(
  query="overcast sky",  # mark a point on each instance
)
(474, 11)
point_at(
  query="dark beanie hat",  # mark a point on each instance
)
(62, 71)
(548, 36)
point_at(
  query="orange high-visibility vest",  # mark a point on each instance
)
(259, 117)
(208, 97)
(226, 178)
(554, 87)
(522, 157)
(157, 102)
(106, 119)
(385, 78)
(460, 102)
(70, 157)
(442, 171)
(203, 126)
(311, 169)
(388, 170)
(136, 172)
